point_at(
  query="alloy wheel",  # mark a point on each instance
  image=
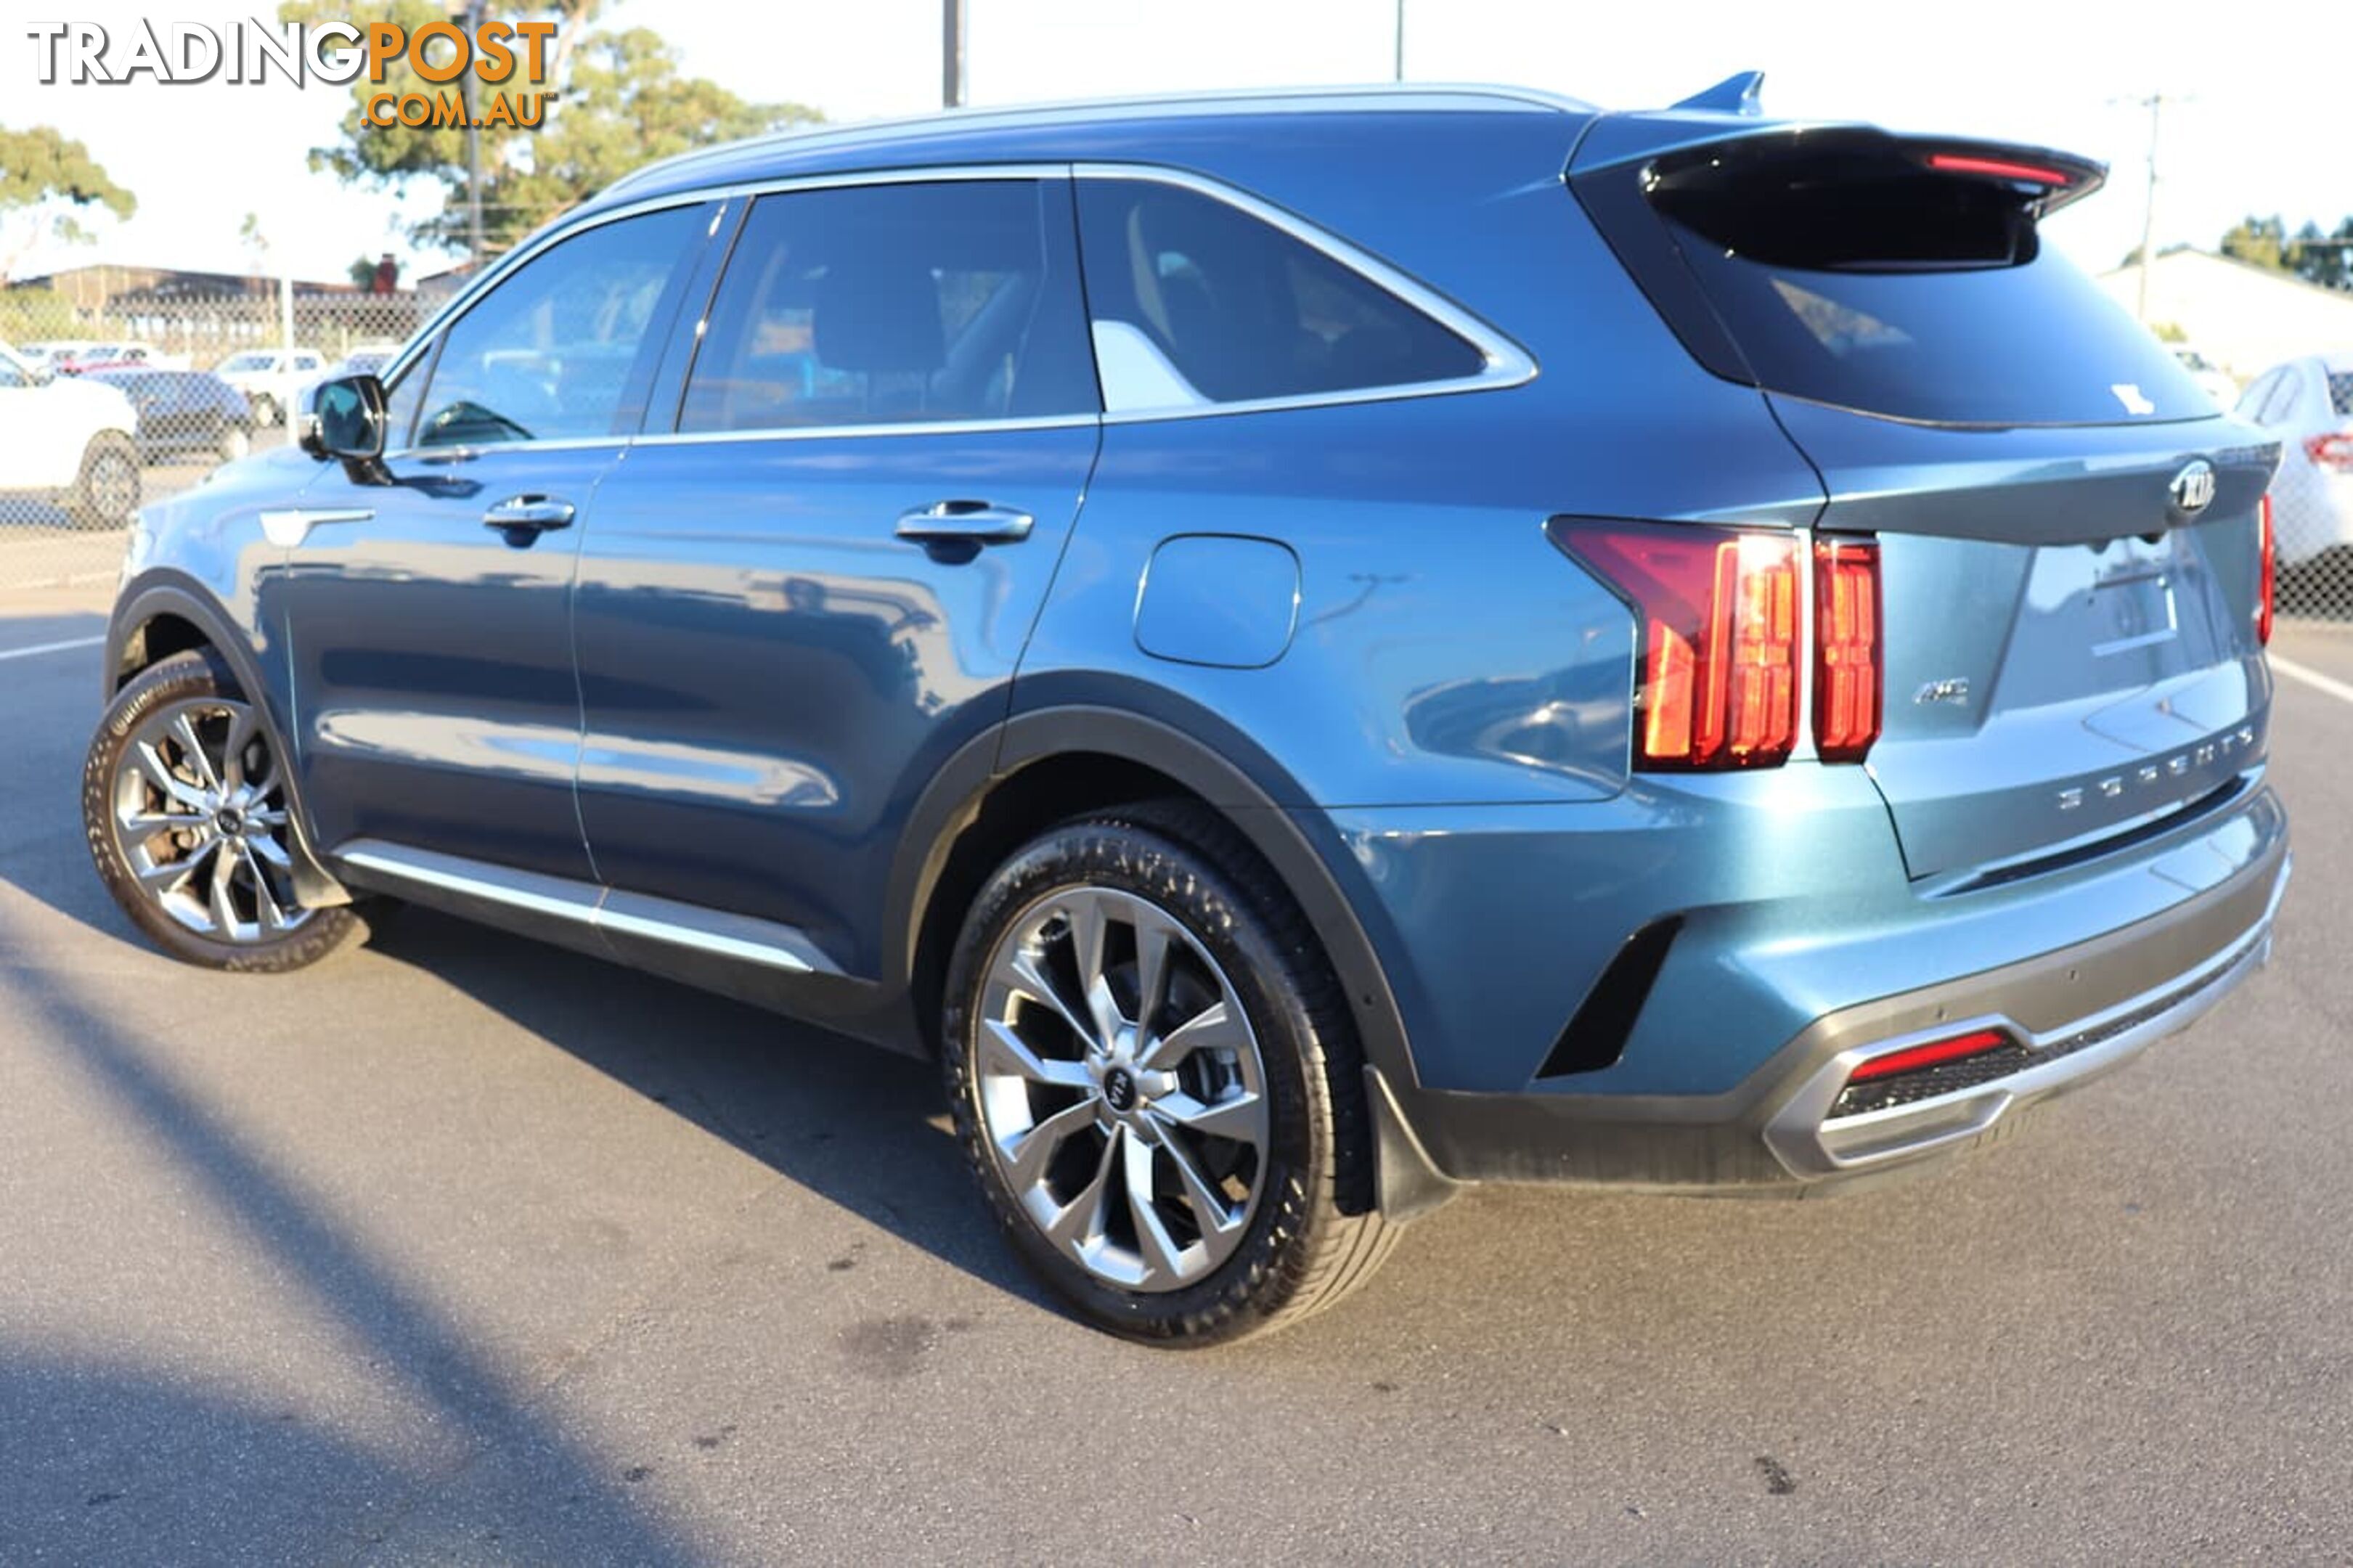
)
(200, 815)
(1121, 1089)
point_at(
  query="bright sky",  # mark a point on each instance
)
(2261, 128)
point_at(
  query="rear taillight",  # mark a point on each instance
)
(1846, 649)
(2269, 546)
(1717, 682)
(2332, 449)
(1936, 1053)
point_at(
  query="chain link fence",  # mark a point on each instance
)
(106, 406)
(213, 379)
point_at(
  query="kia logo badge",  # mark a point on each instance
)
(2192, 489)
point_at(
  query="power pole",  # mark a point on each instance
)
(1401, 41)
(473, 146)
(2155, 103)
(951, 53)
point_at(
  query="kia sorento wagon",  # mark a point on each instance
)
(1313, 648)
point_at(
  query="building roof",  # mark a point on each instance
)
(2245, 317)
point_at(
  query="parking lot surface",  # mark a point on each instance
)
(460, 1248)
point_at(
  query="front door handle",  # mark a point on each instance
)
(965, 522)
(524, 518)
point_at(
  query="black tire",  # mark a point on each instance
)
(193, 677)
(234, 442)
(265, 410)
(107, 490)
(1315, 1234)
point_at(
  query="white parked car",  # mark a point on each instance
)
(68, 443)
(2212, 379)
(272, 379)
(2308, 404)
(46, 356)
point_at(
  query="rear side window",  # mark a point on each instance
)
(1193, 301)
(2340, 392)
(935, 300)
(550, 350)
(1845, 269)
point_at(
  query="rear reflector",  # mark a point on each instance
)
(1718, 681)
(1936, 1053)
(1846, 649)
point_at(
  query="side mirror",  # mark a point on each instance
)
(347, 420)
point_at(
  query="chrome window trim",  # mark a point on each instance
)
(1507, 363)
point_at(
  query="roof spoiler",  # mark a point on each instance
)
(1734, 95)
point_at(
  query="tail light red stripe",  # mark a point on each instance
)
(2270, 586)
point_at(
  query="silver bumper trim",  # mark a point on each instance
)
(1812, 1143)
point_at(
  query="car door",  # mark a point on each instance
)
(812, 580)
(426, 606)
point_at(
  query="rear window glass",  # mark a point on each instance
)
(1854, 275)
(2340, 391)
(1193, 301)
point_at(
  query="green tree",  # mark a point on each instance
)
(47, 186)
(2258, 241)
(617, 101)
(2323, 259)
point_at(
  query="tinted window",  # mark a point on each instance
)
(888, 304)
(2340, 391)
(1190, 295)
(2251, 402)
(549, 353)
(2281, 404)
(10, 375)
(1848, 272)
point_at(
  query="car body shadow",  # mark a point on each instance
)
(864, 1128)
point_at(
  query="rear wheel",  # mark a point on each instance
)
(233, 443)
(265, 409)
(1156, 1083)
(184, 802)
(106, 492)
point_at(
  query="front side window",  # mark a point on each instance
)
(893, 304)
(1193, 300)
(551, 352)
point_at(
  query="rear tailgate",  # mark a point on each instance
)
(2067, 658)
(2068, 538)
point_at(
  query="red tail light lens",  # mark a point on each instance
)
(1717, 686)
(1936, 1053)
(2331, 450)
(1846, 649)
(2269, 546)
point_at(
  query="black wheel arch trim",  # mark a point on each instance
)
(169, 593)
(1299, 843)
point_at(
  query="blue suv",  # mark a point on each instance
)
(1312, 649)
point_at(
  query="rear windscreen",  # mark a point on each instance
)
(1846, 271)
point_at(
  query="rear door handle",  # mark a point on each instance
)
(523, 518)
(965, 521)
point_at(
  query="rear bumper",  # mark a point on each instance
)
(2078, 1009)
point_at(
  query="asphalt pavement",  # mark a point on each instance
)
(463, 1250)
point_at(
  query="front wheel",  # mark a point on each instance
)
(265, 410)
(183, 803)
(233, 443)
(1155, 1081)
